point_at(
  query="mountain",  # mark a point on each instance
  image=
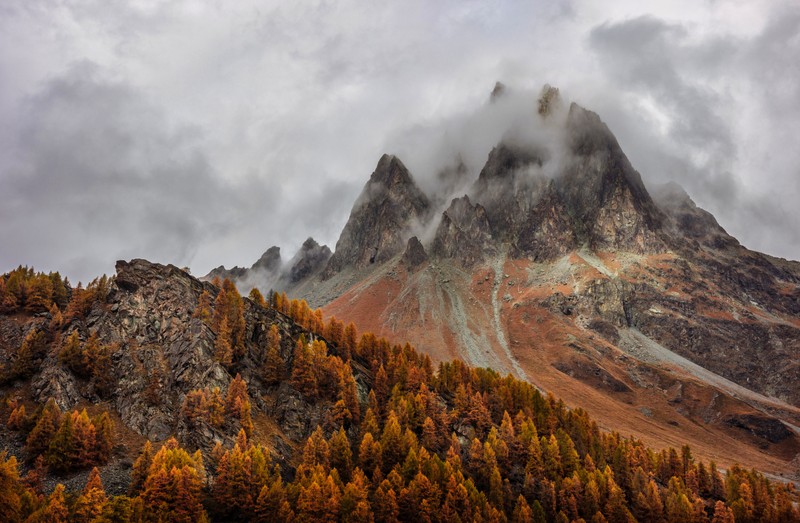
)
(554, 307)
(270, 272)
(263, 411)
(388, 210)
(560, 267)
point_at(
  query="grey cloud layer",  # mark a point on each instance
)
(189, 133)
(729, 107)
(98, 173)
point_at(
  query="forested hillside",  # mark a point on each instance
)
(311, 421)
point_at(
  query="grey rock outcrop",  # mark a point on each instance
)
(508, 187)
(269, 261)
(547, 231)
(266, 269)
(464, 233)
(55, 382)
(310, 259)
(603, 193)
(414, 255)
(389, 208)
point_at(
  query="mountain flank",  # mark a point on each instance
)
(206, 405)
(561, 267)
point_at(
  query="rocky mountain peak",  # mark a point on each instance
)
(309, 259)
(270, 260)
(549, 101)
(602, 191)
(382, 219)
(464, 233)
(391, 173)
(685, 220)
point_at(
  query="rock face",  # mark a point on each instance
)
(603, 193)
(270, 261)
(163, 352)
(160, 351)
(414, 255)
(464, 233)
(383, 218)
(547, 232)
(166, 350)
(311, 258)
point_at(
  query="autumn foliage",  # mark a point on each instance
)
(398, 439)
(67, 441)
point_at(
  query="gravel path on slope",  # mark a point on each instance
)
(497, 265)
(478, 348)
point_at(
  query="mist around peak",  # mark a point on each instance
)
(446, 157)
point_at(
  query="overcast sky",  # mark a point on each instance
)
(200, 133)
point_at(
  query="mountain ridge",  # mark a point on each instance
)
(555, 305)
(558, 265)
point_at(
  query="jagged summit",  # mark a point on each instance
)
(310, 259)
(464, 233)
(545, 200)
(390, 172)
(389, 208)
(270, 272)
(270, 260)
(602, 191)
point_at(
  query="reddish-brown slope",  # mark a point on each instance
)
(550, 337)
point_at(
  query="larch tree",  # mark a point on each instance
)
(203, 309)
(223, 351)
(10, 487)
(274, 365)
(141, 468)
(93, 499)
(45, 428)
(56, 509)
(303, 376)
(257, 297)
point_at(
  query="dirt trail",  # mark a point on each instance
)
(497, 265)
(477, 346)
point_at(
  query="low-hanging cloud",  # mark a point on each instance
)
(721, 109)
(446, 156)
(201, 133)
(101, 174)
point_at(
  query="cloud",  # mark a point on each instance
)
(714, 113)
(447, 155)
(101, 174)
(201, 133)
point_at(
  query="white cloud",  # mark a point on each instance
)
(283, 109)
